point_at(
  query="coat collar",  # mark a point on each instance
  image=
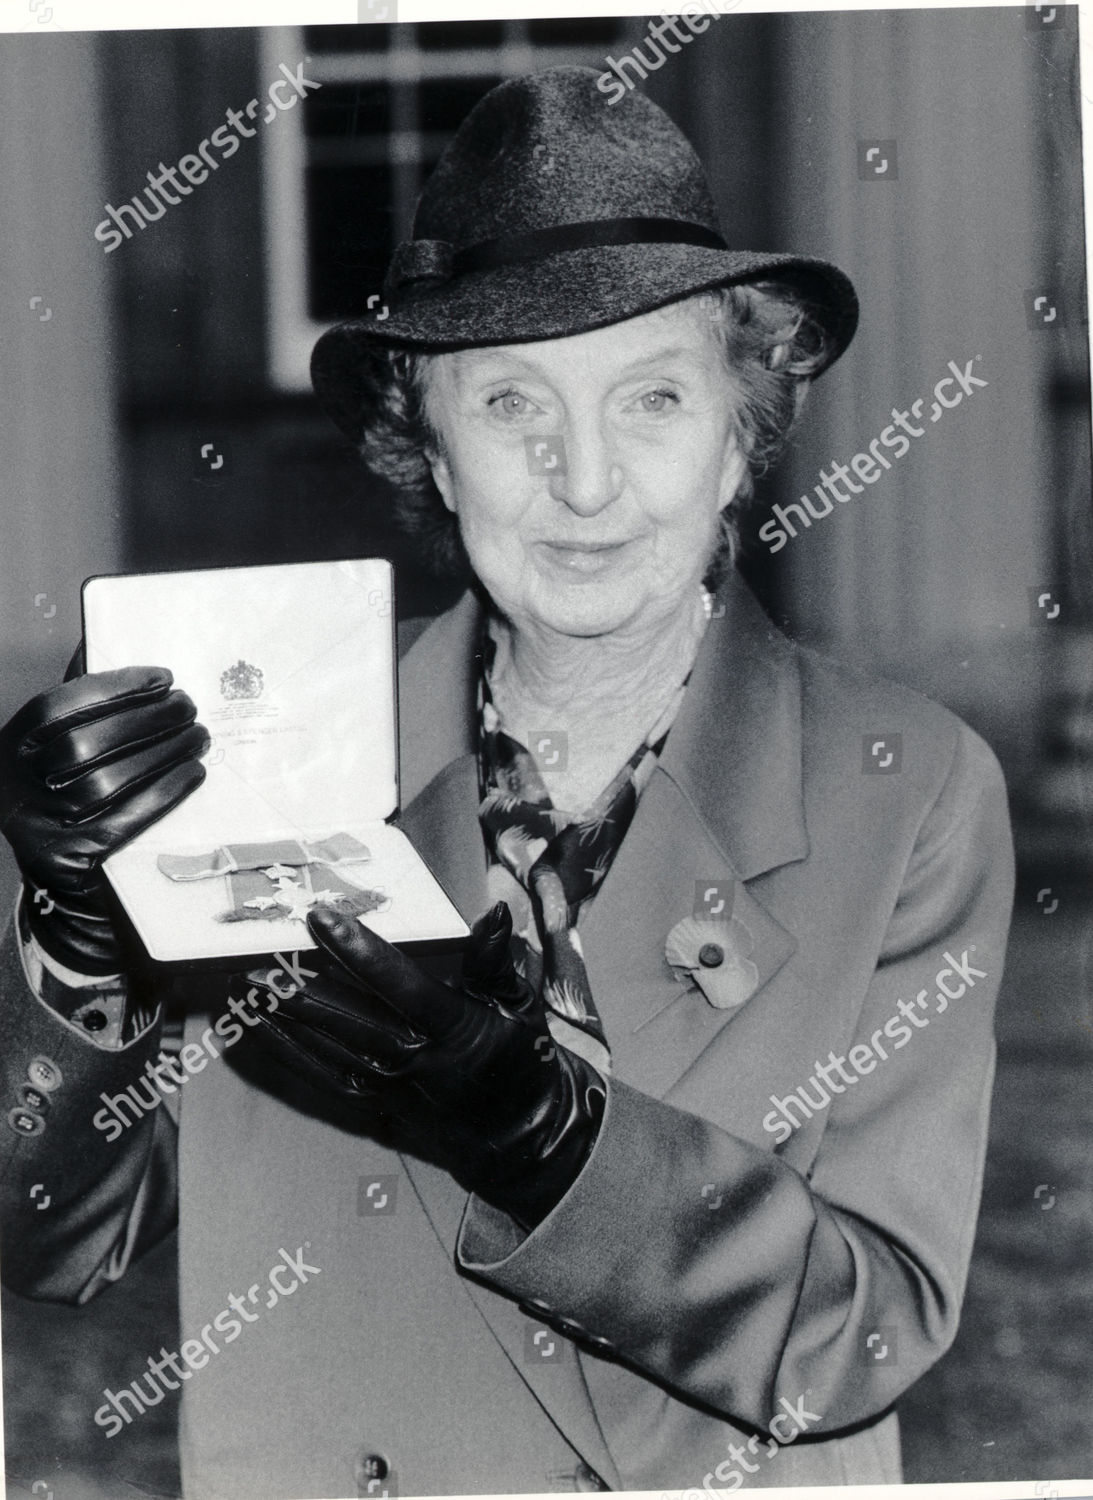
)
(436, 691)
(734, 751)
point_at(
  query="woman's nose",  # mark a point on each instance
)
(588, 477)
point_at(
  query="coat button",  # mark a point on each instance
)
(374, 1476)
(599, 1344)
(25, 1122)
(534, 1307)
(710, 955)
(44, 1073)
(34, 1098)
(94, 1020)
(585, 1480)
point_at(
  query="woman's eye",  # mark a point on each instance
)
(510, 403)
(656, 401)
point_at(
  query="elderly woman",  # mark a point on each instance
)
(676, 1185)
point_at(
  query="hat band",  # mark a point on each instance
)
(437, 260)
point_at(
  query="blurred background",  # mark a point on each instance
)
(154, 413)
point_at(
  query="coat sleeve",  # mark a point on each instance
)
(78, 1200)
(779, 1292)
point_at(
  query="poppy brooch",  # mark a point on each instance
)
(716, 957)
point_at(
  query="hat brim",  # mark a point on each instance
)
(559, 296)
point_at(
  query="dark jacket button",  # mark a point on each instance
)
(94, 1020)
(44, 1073)
(374, 1476)
(534, 1308)
(34, 1098)
(25, 1122)
(585, 1480)
(710, 955)
(599, 1344)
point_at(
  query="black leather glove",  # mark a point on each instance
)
(83, 769)
(468, 1078)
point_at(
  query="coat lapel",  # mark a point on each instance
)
(735, 749)
(657, 1028)
(438, 777)
(724, 806)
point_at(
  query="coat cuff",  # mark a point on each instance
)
(548, 1270)
(98, 1008)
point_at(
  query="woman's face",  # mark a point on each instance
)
(587, 473)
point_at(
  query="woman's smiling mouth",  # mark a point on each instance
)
(583, 557)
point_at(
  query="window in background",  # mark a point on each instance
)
(343, 172)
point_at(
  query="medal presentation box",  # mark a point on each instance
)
(293, 671)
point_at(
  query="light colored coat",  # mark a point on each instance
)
(730, 1273)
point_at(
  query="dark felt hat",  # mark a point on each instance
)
(550, 213)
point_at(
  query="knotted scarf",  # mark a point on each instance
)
(548, 863)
